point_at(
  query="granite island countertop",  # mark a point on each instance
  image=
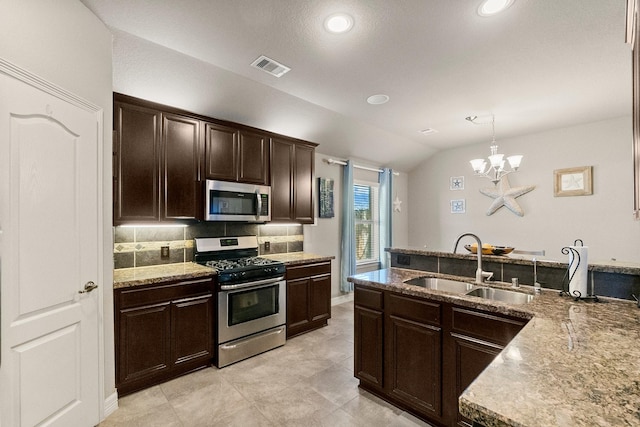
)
(294, 258)
(154, 274)
(573, 364)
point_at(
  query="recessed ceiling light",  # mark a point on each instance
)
(492, 7)
(378, 99)
(338, 23)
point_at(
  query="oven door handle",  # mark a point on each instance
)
(251, 284)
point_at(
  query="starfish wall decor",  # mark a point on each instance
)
(505, 195)
(396, 204)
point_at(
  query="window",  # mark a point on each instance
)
(367, 222)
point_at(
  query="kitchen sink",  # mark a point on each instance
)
(441, 284)
(501, 295)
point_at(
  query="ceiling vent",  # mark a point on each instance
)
(270, 66)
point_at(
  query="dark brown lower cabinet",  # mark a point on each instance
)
(421, 354)
(476, 338)
(369, 347)
(162, 331)
(308, 297)
(414, 352)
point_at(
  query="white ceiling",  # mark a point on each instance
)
(541, 64)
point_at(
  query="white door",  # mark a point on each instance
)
(49, 366)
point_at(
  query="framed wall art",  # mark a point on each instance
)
(456, 183)
(573, 181)
(325, 195)
(458, 206)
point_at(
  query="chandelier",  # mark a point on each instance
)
(494, 170)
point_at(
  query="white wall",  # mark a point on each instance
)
(324, 237)
(64, 43)
(603, 220)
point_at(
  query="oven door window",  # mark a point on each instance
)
(252, 304)
(232, 203)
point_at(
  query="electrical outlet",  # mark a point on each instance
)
(164, 252)
(267, 246)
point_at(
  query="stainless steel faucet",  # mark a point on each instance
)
(480, 275)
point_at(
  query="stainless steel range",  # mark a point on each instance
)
(251, 297)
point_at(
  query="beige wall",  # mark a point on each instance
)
(324, 236)
(603, 220)
(64, 43)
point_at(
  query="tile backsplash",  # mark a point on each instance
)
(141, 246)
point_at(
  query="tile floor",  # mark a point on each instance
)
(308, 382)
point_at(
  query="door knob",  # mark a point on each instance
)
(88, 287)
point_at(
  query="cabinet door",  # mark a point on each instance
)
(368, 354)
(303, 184)
(320, 304)
(415, 364)
(476, 338)
(254, 158)
(471, 357)
(181, 191)
(297, 305)
(136, 193)
(192, 329)
(144, 342)
(221, 152)
(282, 153)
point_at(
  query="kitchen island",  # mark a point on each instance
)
(573, 364)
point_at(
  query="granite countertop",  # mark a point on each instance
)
(137, 276)
(619, 267)
(293, 258)
(573, 364)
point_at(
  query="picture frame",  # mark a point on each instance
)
(576, 181)
(458, 206)
(456, 183)
(325, 198)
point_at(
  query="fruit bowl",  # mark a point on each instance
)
(489, 249)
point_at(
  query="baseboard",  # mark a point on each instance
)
(342, 299)
(110, 404)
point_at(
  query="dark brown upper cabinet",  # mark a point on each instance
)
(236, 154)
(156, 164)
(633, 38)
(292, 168)
(163, 155)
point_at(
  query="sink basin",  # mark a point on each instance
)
(441, 284)
(501, 295)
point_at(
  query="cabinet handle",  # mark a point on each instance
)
(88, 287)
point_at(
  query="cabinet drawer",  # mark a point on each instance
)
(308, 270)
(487, 326)
(370, 298)
(137, 296)
(414, 309)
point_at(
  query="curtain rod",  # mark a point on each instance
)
(343, 163)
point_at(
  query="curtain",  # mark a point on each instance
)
(348, 264)
(386, 211)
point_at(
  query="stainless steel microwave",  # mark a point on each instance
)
(235, 201)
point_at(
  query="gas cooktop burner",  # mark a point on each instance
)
(232, 264)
